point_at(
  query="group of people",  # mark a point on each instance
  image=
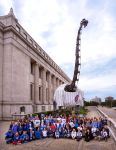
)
(73, 127)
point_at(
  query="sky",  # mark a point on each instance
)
(54, 24)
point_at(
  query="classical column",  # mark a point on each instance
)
(49, 89)
(54, 84)
(44, 86)
(36, 85)
(57, 82)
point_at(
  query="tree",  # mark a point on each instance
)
(114, 103)
(91, 103)
(109, 101)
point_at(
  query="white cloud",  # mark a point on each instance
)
(98, 82)
(6, 5)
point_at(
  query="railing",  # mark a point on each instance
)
(111, 124)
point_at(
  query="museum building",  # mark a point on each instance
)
(28, 76)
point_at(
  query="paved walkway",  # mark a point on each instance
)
(92, 112)
(57, 144)
(109, 112)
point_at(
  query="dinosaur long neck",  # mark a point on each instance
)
(77, 63)
(72, 86)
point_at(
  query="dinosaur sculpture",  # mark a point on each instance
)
(68, 95)
(72, 87)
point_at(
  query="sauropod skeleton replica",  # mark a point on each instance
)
(70, 94)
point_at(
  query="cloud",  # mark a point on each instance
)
(105, 92)
(5, 6)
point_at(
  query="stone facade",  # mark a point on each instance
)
(28, 76)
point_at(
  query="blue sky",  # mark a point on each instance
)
(54, 25)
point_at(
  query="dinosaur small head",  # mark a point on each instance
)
(84, 22)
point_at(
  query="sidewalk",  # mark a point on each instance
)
(111, 113)
(4, 125)
(111, 116)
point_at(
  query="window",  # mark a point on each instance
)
(43, 54)
(39, 49)
(40, 73)
(47, 94)
(22, 109)
(52, 79)
(18, 28)
(47, 76)
(35, 45)
(49, 108)
(43, 108)
(25, 35)
(40, 88)
(60, 107)
(31, 91)
(31, 41)
(32, 67)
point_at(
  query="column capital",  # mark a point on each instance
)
(44, 69)
(36, 63)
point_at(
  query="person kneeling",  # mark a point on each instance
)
(44, 133)
(9, 136)
(57, 134)
(31, 134)
(104, 134)
(24, 137)
(88, 135)
(16, 139)
(73, 134)
(38, 133)
(79, 135)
